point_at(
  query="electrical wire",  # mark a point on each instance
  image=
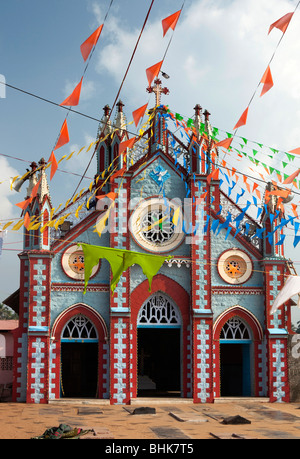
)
(272, 57)
(121, 85)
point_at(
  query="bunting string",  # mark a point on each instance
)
(266, 79)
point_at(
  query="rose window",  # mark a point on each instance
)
(157, 227)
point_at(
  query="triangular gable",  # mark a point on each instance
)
(166, 161)
(147, 159)
(75, 232)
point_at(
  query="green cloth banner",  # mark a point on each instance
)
(119, 261)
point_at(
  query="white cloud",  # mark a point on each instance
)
(96, 10)
(87, 89)
(79, 161)
(7, 209)
(217, 56)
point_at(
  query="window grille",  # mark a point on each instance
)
(79, 328)
(235, 329)
(6, 364)
(156, 228)
(158, 310)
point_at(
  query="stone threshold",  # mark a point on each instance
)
(158, 401)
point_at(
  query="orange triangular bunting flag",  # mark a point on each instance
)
(296, 151)
(111, 195)
(267, 81)
(292, 177)
(87, 46)
(282, 23)
(294, 206)
(243, 119)
(138, 114)
(170, 22)
(126, 144)
(54, 165)
(214, 175)
(35, 189)
(24, 204)
(225, 143)
(63, 136)
(73, 98)
(153, 71)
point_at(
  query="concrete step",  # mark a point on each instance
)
(80, 401)
(241, 399)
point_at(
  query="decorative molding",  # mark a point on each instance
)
(179, 262)
(78, 287)
(238, 290)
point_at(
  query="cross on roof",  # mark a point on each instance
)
(158, 90)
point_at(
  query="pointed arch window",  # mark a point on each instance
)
(79, 329)
(235, 329)
(158, 311)
(46, 232)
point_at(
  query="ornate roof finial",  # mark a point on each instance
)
(105, 127)
(158, 90)
(120, 120)
(208, 127)
(198, 119)
(32, 179)
(44, 187)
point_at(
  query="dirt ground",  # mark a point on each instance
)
(172, 419)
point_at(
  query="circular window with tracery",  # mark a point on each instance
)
(156, 228)
(152, 225)
(73, 263)
(235, 266)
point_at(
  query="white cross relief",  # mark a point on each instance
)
(158, 91)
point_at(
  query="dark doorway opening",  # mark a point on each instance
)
(235, 369)
(79, 364)
(159, 362)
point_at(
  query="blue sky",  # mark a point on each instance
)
(218, 53)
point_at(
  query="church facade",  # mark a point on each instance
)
(203, 331)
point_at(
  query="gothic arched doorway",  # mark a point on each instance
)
(79, 358)
(79, 352)
(237, 337)
(159, 347)
(235, 348)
